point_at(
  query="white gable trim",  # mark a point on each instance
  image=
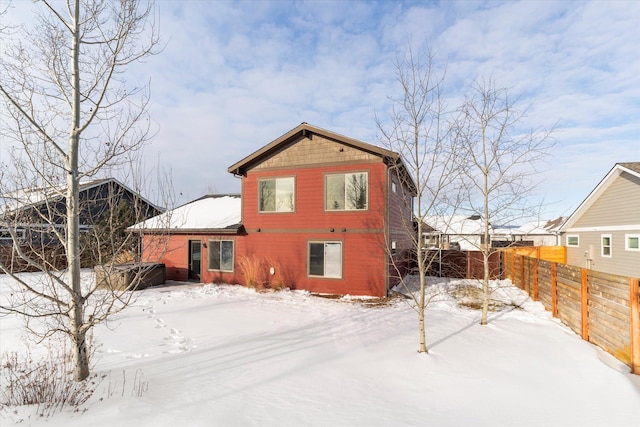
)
(604, 228)
(606, 182)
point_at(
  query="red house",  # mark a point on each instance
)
(319, 211)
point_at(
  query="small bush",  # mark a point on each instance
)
(45, 383)
(252, 270)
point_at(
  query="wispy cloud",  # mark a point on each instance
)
(236, 75)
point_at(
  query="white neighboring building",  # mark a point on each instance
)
(454, 232)
(539, 233)
(466, 233)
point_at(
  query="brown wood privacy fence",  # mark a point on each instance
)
(603, 309)
(462, 264)
(548, 253)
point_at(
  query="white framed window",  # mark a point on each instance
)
(605, 245)
(325, 259)
(394, 186)
(221, 255)
(632, 242)
(276, 194)
(394, 247)
(346, 191)
(573, 240)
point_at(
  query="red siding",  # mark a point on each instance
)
(309, 205)
(280, 240)
(173, 252)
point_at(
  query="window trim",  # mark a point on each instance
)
(233, 256)
(325, 242)
(5, 235)
(603, 246)
(626, 242)
(569, 236)
(344, 174)
(293, 209)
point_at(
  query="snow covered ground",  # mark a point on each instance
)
(228, 356)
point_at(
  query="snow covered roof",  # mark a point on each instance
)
(540, 227)
(456, 224)
(217, 212)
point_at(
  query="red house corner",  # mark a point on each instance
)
(319, 211)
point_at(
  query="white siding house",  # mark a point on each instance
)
(603, 233)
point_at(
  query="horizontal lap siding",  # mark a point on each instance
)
(173, 252)
(362, 271)
(284, 237)
(310, 211)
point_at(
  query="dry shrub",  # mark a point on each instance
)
(251, 267)
(45, 383)
(257, 273)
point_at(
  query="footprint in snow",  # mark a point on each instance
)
(137, 356)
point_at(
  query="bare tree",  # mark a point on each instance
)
(70, 116)
(417, 130)
(499, 163)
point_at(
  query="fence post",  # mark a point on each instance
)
(513, 267)
(584, 303)
(554, 289)
(535, 278)
(634, 306)
(522, 282)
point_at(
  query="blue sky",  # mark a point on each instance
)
(235, 75)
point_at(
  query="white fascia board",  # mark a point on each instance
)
(632, 227)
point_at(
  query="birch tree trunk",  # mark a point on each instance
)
(416, 130)
(63, 79)
(499, 161)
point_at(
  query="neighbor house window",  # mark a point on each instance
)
(276, 195)
(325, 259)
(221, 255)
(5, 235)
(347, 192)
(605, 245)
(573, 240)
(632, 242)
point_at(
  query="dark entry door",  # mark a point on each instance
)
(195, 259)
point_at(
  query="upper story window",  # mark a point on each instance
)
(573, 240)
(276, 195)
(605, 247)
(347, 191)
(632, 242)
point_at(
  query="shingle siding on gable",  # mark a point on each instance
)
(315, 151)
